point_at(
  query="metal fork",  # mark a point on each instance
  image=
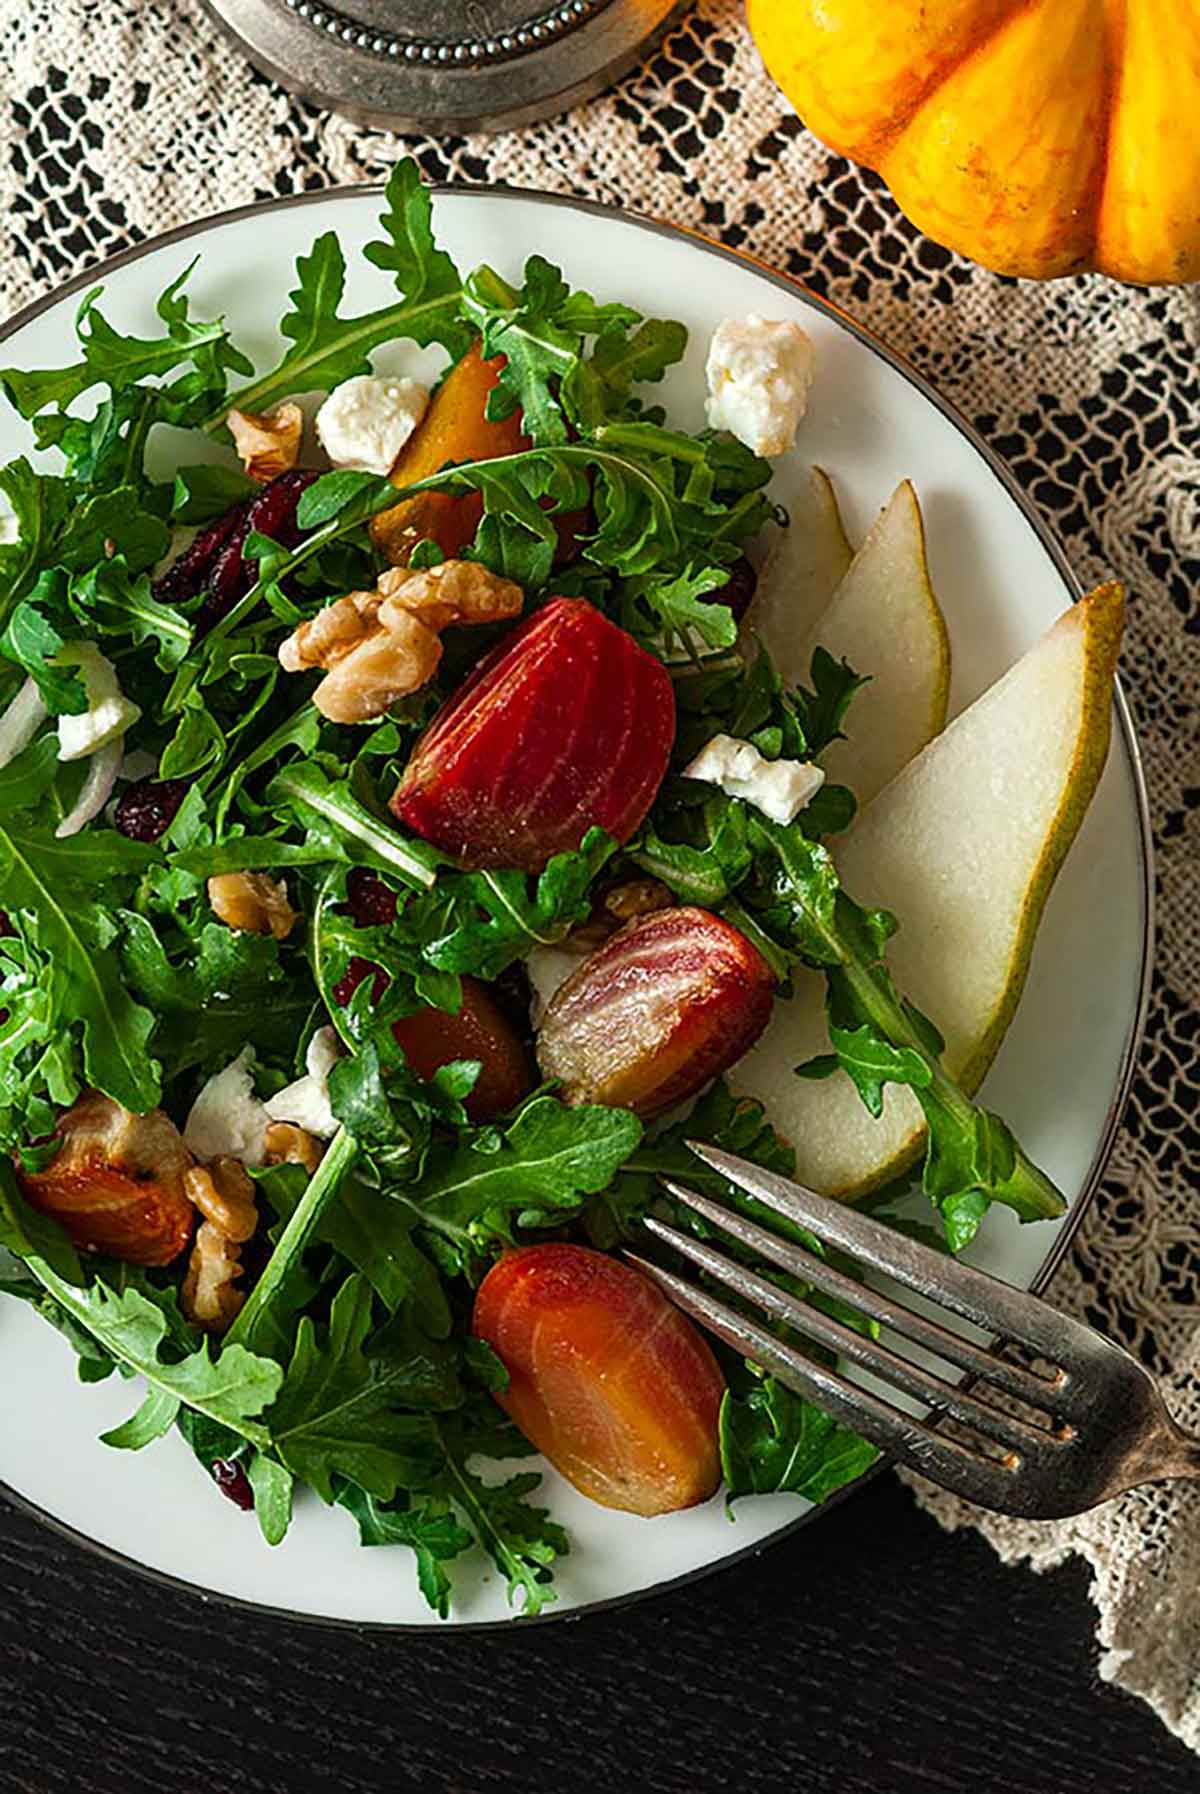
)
(1090, 1424)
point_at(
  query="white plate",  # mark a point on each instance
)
(1063, 1071)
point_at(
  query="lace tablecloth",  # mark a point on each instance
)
(122, 121)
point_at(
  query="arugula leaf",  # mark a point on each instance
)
(327, 348)
(679, 603)
(31, 642)
(375, 1235)
(823, 709)
(971, 1157)
(40, 504)
(542, 332)
(542, 1164)
(428, 1527)
(108, 448)
(336, 1413)
(111, 601)
(872, 1062)
(481, 922)
(81, 968)
(773, 1441)
(423, 273)
(332, 811)
(202, 349)
(204, 492)
(121, 361)
(132, 1328)
(273, 1488)
(258, 1318)
(24, 780)
(737, 1124)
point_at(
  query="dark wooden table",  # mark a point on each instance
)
(867, 1655)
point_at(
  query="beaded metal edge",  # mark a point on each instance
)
(506, 46)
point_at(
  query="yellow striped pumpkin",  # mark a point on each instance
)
(1039, 137)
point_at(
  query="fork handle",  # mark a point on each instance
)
(1167, 1454)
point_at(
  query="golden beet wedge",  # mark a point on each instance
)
(453, 429)
(609, 1381)
(1039, 137)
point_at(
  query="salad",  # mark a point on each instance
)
(402, 835)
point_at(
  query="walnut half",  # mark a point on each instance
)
(267, 442)
(252, 902)
(377, 647)
(209, 1296)
(224, 1194)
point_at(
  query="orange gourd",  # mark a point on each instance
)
(1039, 137)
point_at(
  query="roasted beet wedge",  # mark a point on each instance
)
(455, 428)
(606, 1378)
(479, 1030)
(566, 724)
(116, 1182)
(665, 1006)
(433, 1037)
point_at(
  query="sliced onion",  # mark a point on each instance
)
(21, 722)
(102, 771)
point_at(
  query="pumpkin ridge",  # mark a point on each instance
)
(1115, 20)
(891, 134)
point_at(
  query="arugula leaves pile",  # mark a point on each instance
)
(350, 1369)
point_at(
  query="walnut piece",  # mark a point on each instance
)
(377, 647)
(267, 442)
(289, 1145)
(209, 1295)
(224, 1194)
(252, 903)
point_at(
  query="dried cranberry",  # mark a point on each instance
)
(738, 591)
(188, 576)
(272, 512)
(233, 1483)
(372, 903)
(356, 973)
(147, 809)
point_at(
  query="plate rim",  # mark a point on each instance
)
(1135, 1033)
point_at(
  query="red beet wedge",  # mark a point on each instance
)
(606, 1378)
(566, 724)
(665, 1006)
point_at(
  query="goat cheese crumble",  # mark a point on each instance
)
(759, 375)
(306, 1102)
(779, 788)
(366, 421)
(227, 1118)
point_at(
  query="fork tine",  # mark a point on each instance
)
(923, 1385)
(1012, 1378)
(973, 1294)
(900, 1435)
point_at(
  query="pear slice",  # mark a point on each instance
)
(802, 572)
(963, 846)
(885, 621)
